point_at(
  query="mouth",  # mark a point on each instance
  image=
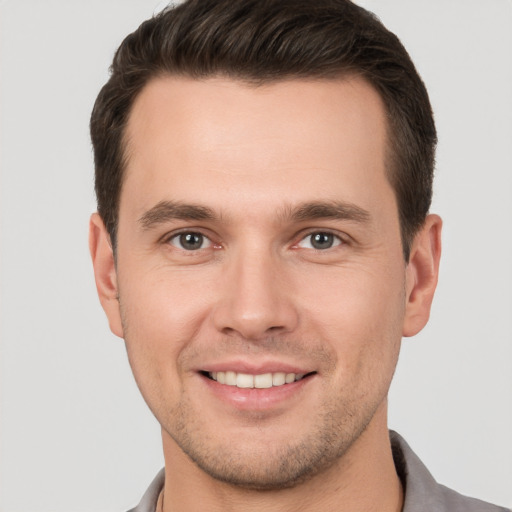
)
(259, 381)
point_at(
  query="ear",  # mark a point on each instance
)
(105, 272)
(421, 275)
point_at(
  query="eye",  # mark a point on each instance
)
(190, 241)
(320, 240)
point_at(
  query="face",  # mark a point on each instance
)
(262, 288)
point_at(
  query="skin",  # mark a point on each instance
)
(256, 171)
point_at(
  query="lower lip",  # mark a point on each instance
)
(256, 399)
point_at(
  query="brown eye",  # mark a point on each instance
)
(320, 240)
(190, 241)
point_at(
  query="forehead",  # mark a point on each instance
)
(189, 135)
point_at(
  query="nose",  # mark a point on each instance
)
(256, 301)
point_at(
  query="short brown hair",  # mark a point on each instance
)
(261, 41)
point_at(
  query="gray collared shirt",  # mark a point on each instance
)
(422, 492)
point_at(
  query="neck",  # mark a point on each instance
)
(364, 479)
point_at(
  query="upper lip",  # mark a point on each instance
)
(253, 368)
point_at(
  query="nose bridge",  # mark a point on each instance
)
(254, 301)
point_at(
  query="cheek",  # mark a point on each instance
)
(165, 302)
(365, 299)
(360, 314)
(160, 317)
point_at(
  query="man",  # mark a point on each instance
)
(262, 243)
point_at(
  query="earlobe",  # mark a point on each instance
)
(422, 274)
(105, 272)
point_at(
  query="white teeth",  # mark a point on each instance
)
(289, 378)
(278, 379)
(262, 381)
(231, 378)
(244, 380)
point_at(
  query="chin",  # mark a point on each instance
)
(263, 462)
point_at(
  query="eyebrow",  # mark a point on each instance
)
(336, 210)
(166, 211)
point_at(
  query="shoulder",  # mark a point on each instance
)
(422, 492)
(150, 498)
(453, 501)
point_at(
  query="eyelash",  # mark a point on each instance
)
(177, 237)
(337, 240)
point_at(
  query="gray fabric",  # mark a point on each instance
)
(422, 492)
(148, 501)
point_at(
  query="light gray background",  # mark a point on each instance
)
(74, 433)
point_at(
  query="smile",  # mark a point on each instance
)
(261, 381)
